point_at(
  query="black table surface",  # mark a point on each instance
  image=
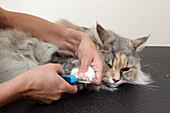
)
(127, 99)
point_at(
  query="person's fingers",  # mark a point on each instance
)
(85, 63)
(71, 89)
(41, 100)
(66, 87)
(98, 67)
(61, 72)
(58, 68)
(97, 79)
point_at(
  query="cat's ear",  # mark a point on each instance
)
(103, 34)
(139, 44)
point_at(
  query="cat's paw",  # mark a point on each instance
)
(89, 75)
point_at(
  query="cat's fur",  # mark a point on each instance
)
(19, 52)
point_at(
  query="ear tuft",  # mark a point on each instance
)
(103, 34)
(139, 44)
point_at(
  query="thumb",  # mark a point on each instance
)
(72, 89)
(85, 63)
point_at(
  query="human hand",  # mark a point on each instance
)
(89, 56)
(45, 85)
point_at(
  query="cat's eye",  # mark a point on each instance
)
(109, 65)
(125, 69)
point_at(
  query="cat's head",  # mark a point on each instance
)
(120, 55)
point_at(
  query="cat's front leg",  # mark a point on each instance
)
(89, 75)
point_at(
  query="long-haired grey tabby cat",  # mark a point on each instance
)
(19, 52)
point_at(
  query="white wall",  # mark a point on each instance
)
(129, 18)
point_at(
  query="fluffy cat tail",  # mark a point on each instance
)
(143, 78)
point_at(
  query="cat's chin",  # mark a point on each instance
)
(112, 85)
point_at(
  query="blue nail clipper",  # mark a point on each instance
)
(71, 79)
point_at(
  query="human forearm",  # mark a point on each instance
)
(3, 20)
(47, 31)
(12, 90)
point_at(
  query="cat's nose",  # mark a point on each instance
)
(115, 80)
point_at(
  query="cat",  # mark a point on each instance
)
(120, 55)
(19, 52)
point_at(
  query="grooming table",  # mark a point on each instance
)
(127, 99)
